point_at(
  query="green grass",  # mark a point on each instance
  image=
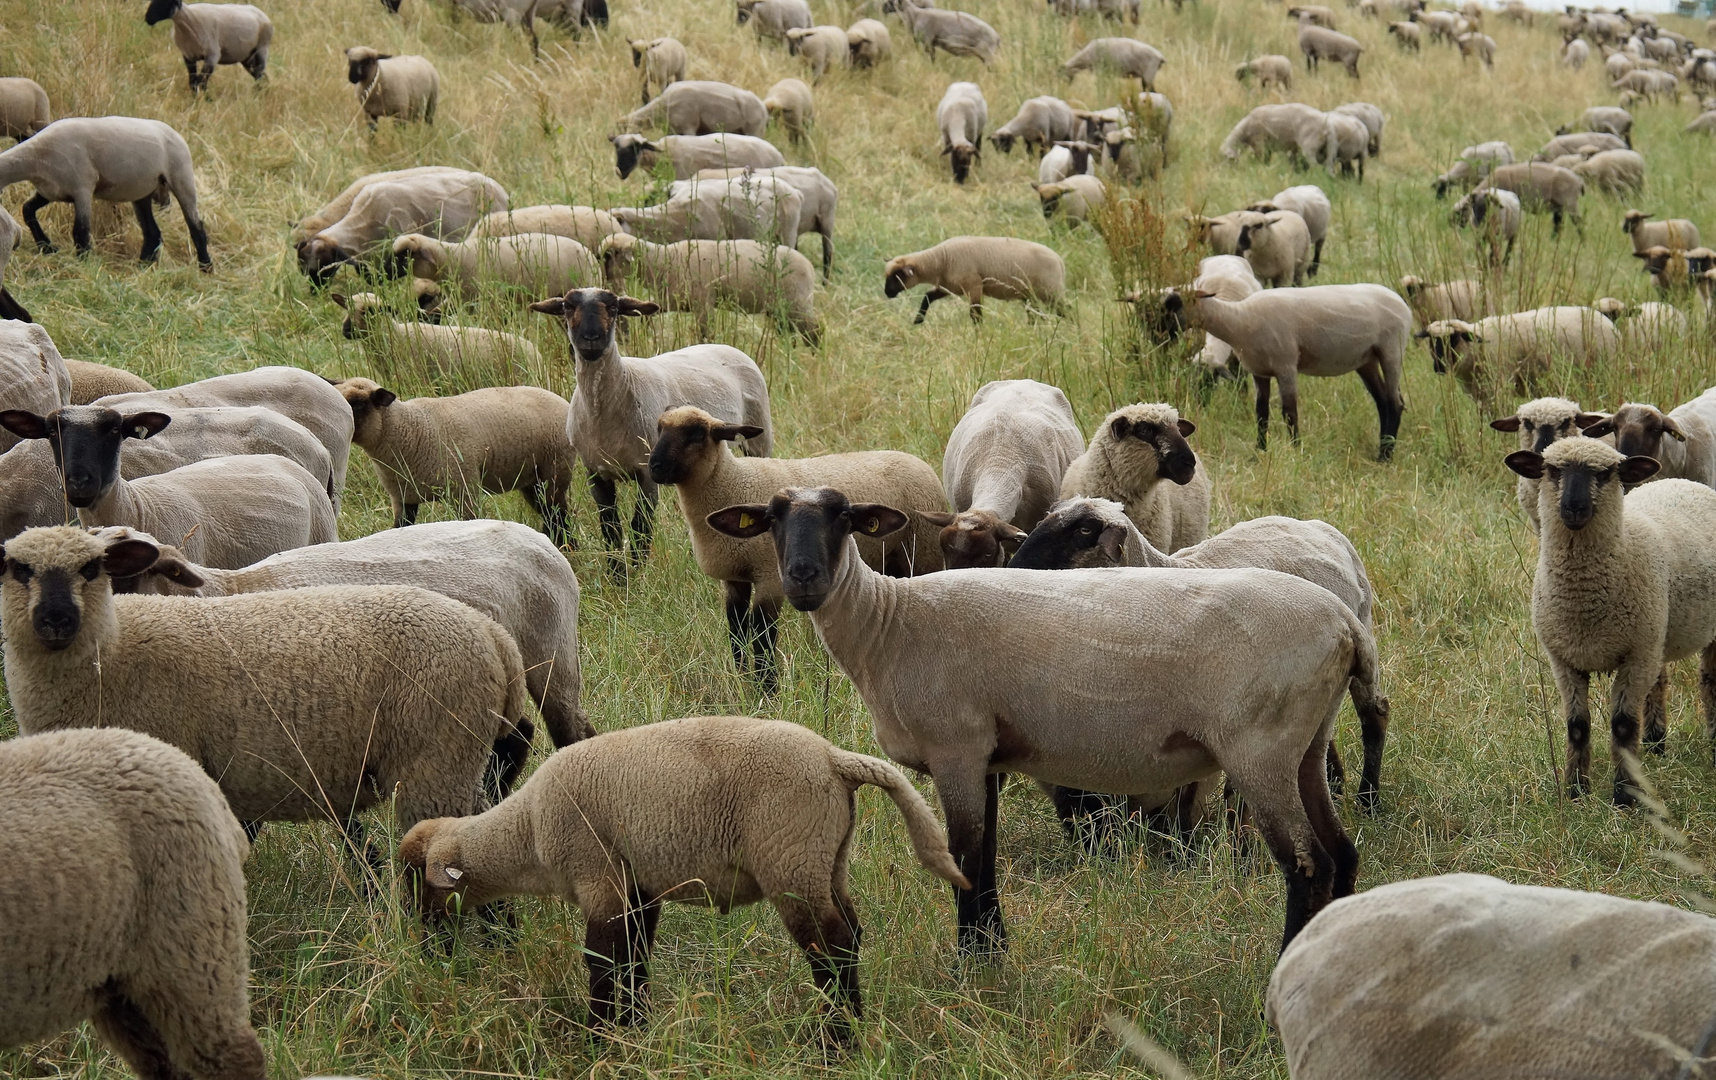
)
(1181, 944)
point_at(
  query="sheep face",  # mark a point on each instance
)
(161, 10)
(1581, 485)
(687, 442)
(369, 403)
(1075, 534)
(54, 579)
(361, 64)
(320, 259)
(899, 275)
(810, 527)
(962, 156)
(974, 538)
(429, 857)
(1448, 340)
(1631, 221)
(1638, 430)
(1547, 421)
(1003, 141)
(1174, 458)
(359, 309)
(591, 316)
(629, 150)
(86, 441)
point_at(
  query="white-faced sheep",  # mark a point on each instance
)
(691, 455)
(1132, 451)
(1319, 43)
(740, 810)
(869, 43)
(23, 108)
(90, 381)
(1075, 199)
(660, 61)
(208, 35)
(1312, 205)
(112, 158)
(363, 220)
(585, 224)
(1070, 715)
(962, 115)
(1539, 423)
(979, 267)
(1516, 350)
(126, 904)
(1683, 441)
(1623, 584)
(1276, 244)
(403, 87)
(458, 355)
(700, 276)
(956, 33)
(1494, 215)
(1540, 186)
(1039, 124)
(611, 423)
(1677, 234)
(529, 264)
(699, 107)
(792, 104)
(1291, 126)
(822, 47)
(773, 18)
(1117, 56)
(691, 154)
(1476, 163)
(747, 207)
(33, 374)
(1269, 70)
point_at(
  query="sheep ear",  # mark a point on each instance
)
(1187, 428)
(941, 519)
(1112, 541)
(1011, 536)
(144, 424)
(443, 877)
(1638, 469)
(1421, 334)
(1203, 294)
(1120, 427)
(1589, 420)
(1605, 426)
(24, 424)
(1527, 463)
(1672, 429)
(554, 305)
(629, 306)
(729, 432)
(741, 522)
(1506, 423)
(876, 520)
(338, 298)
(178, 571)
(128, 558)
(1641, 254)
(382, 397)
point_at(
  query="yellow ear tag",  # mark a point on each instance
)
(875, 525)
(744, 521)
(142, 432)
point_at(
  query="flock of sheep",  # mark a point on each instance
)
(202, 620)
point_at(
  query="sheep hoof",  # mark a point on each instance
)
(1626, 796)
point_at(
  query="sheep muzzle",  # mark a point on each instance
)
(55, 616)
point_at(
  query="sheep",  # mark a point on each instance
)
(1269, 70)
(1071, 715)
(1066, 159)
(690, 154)
(1476, 163)
(529, 262)
(453, 449)
(1372, 119)
(1156, 116)
(1131, 451)
(700, 275)
(363, 220)
(1481, 46)
(127, 905)
(90, 381)
(699, 107)
(208, 35)
(790, 102)
(1689, 452)
(116, 159)
(403, 87)
(1323, 330)
(774, 18)
(1122, 159)
(691, 455)
(1319, 44)
(618, 399)
(1517, 349)
(1620, 587)
(33, 375)
(1670, 269)
(747, 207)
(1407, 35)
(317, 705)
(1076, 198)
(1618, 172)
(1118, 56)
(1312, 205)
(1277, 245)
(822, 46)
(768, 815)
(869, 43)
(1645, 328)
(1608, 120)
(1539, 423)
(1540, 186)
(1443, 25)
(1676, 234)
(1003, 468)
(1040, 123)
(815, 214)
(1314, 14)
(1230, 278)
(1290, 126)
(660, 61)
(1649, 85)
(1704, 123)
(1575, 53)
(585, 224)
(457, 354)
(1496, 216)
(1221, 233)
(1347, 142)
(975, 267)
(1618, 65)
(955, 32)
(509, 572)
(23, 108)
(962, 115)
(1464, 299)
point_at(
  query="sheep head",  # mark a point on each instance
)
(161, 10)
(86, 440)
(55, 580)
(591, 316)
(1579, 476)
(618, 252)
(1448, 339)
(629, 150)
(359, 308)
(320, 258)
(1161, 432)
(1545, 421)
(810, 527)
(974, 538)
(1638, 430)
(362, 62)
(369, 403)
(429, 859)
(1076, 534)
(899, 275)
(688, 441)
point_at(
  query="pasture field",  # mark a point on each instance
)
(1181, 942)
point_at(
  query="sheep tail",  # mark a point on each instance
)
(929, 842)
(517, 693)
(1363, 680)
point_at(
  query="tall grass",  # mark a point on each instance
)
(1178, 943)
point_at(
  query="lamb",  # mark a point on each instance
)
(403, 87)
(1066, 159)
(1517, 349)
(962, 115)
(869, 43)
(1540, 186)
(1347, 140)
(1479, 45)
(1070, 716)
(701, 275)
(318, 705)
(1323, 330)
(458, 355)
(33, 375)
(129, 867)
(1540, 423)
(23, 108)
(209, 35)
(1704, 123)
(691, 454)
(1407, 35)
(815, 214)
(1464, 299)
(1290, 126)
(1648, 327)
(773, 18)
(661, 62)
(439, 202)
(768, 815)
(1230, 278)
(975, 267)
(1040, 123)
(1132, 450)
(1319, 43)
(1119, 56)
(790, 102)
(618, 399)
(955, 32)
(1476, 163)
(691, 154)
(1277, 245)
(1575, 53)
(1496, 216)
(1688, 452)
(1372, 119)
(507, 571)
(1443, 25)
(1619, 172)
(1488, 964)
(530, 263)
(1622, 585)
(1075, 198)
(1003, 469)
(822, 46)
(585, 224)
(699, 107)
(1313, 208)
(748, 207)
(454, 449)
(90, 381)
(1608, 120)
(1269, 70)
(115, 159)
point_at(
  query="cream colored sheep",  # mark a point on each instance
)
(1347, 144)
(10, 234)
(1540, 186)
(691, 154)
(1607, 119)
(698, 107)
(1277, 245)
(341, 205)
(975, 267)
(1689, 449)
(701, 275)
(209, 35)
(90, 381)
(1312, 205)
(1575, 53)
(403, 87)
(1230, 278)
(815, 214)
(1131, 452)
(1315, 14)
(530, 263)
(962, 115)
(1676, 234)
(1371, 117)
(459, 355)
(1464, 299)
(34, 376)
(790, 102)
(1577, 142)
(125, 905)
(1476, 163)
(1040, 123)
(869, 43)
(1270, 70)
(1066, 159)
(1293, 127)
(585, 224)
(1407, 35)
(438, 202)
(23, 108)
(1618, 172)
(1494, 215)
(957, 33)
(1479, 45)
(1319, 43)
(660, 61)
(1117, 56)
(822, 46)
(773, 18)
(1221, 233)
(1539, 423)
(1518, 349)
(1646, 328)
(748, 207)
(1074, 198)
(739, 810)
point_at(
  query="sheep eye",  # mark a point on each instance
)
(90, 570)
(1553, 473)
(1086, 530)
(21, 573)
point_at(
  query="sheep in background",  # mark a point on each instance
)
(962, 115)
(1229, 277)
(1221, 233)
(1348, 140)
(1475, 163)
(209, 35)
(1277, 245)
(1608, 120)
(585, 224)
(1577, 142)
(33, 375)
(530, 263)
(691, 154)
(1040, 123)
(90, 381)
(1479, 45)
(700, 107)
(404, 87)
(1539, 423)
(1315, 14)
(1271, 70)
(1676, 234)
(1066, 159)
(790, 102)
(700, 275)
(1371, 117)
(955, 32)
(1575, 53)
(1076, 198)
(1683, 442)
(1291, 126)
(1648, 327)
(1618, 172)
(1540, 186)
(1495, 216)
(1408, 35)
(1312, 205)
(975, 267)
(822, 46)
(458, 354)
(869, 43)
(1117, 56)
(660, 61)
(1463, 299)
(23, 108)
(1320, 43)
(1515, 350)
(815, 213)
(774, 18)
(747, 207)
(362, 221)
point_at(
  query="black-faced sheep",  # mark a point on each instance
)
(209, 35)
(979, 267)
(403, 87)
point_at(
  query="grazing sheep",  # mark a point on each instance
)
(363, 220)
(1070, 715)
(1608, 120)
(1277, 245)
(962, 116)
(744, 207)
(1618, 172)
(869, 43)
(1676, 234)
(701, 275)
(1003, 469)
(1117, 56)
(1516, 350)
(1315, 14)
(815, 214)
(1688, 453)
(530, 263)
(1323, 330)
(1464, 299)
(1649, 327)
(1443, 25)
(774, 18)
(956, 33)
(318, 704)
(731, 810)
(1074, 198)
(1156, 115)
(1476, 163)
(585, 224)
(23, 108)
(1066, 159)
(822, 46)
(691, 454)
(1221, 233)
(660, 61)
(975, 267)
(1540, 186)
(457, 354)
(1649, 85)
(1320, 43)
(1371, 117)
(1348, 140)
(1496, 216)
(1481, 46)
(126, 905)
(403, 87)
(1291, 126)
(112, 158)
(1131, 452)
(507, 571)
(618, 399)
(1704, 123)
(1312, 205)
(1407, 35)
(1230, 278)
(33, 375)
(1270, 70)
(90, 381)
(691, 154)
(1040, 123)
(1623, 584)
(1539, 423)
(209, 35)
(698, 107)
(1575, 53)
(1670, 270)
(791, 103)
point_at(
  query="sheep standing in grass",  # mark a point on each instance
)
(1220, 233)
(1132, 451)
(1676, 234)
(815, 214)
(701, 275)
(1479, 45)
(1039, 124)
(1313, 207)
(1229, 277)
(747, 207)
(23, 108)
(1463, 298)
(773, 18)
(1076, 198)
(869, 43)
(458, 354)
(1277, 245)
(1271, 70)
(791, 103)
(1409, 36)
(1624, 584)
(822, 47)
(1609, 120)
(404, 87)
(1291, 126)
(530, 263)
(661, 62)
(1618, 172)
(125, 904)
(209, 35)
(691, 154)
(585, 224)
(1645, 328)
(955, 32)
(1575, 53)
(1319, 43)
(739, 810)
(1516, 350)
(1576, 143)
(1540, 423)
(1683, 441)
(1117, 56)
(697, 107)
(1346, 145)
(1373, 120)
(1494, 215)
(975, 267)
(1476, 163)
(962, 115)
(1540, 186)
(1064, 159)
(363, 220)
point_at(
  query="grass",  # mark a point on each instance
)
(1179, 943)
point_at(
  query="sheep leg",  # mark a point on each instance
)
(611, 935)
(1082, 817)
(830, 943)
(124, 1028)
(975, 299)
(643, 520)
(1307, 867)
(1575, 688)
(827, 258)
(507, 758)
(1656, 713)
(1326, 823)
(1290, 404)
(191, 65)
(1387, 409)
(1316, 260)
(970, 799)
(936, 293)
(83, 216)
(765, 624)
(405, 514)
(1337, 772)
(608, 511)
(548, 498)
(1707, 691)
(1633, 684)
(739, 627)
(1261, 383)
(151, 231)
(32, 206)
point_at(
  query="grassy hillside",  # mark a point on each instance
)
(1180, 942)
